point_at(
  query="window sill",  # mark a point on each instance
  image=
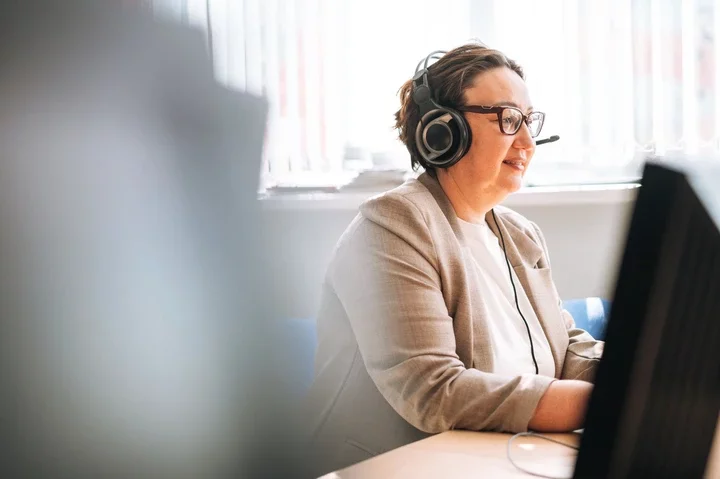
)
(529, 196)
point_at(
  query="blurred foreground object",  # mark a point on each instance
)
(130, 283)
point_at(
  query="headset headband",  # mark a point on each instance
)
(422, 95)
(436, 54)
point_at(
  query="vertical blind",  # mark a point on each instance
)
(617, 79)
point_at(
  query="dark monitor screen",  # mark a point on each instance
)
(655, 405)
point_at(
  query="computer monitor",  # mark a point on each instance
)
(655, 406)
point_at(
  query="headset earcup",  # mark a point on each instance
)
(462, 139)
(438, 136)
(426, 154)
(443, 137)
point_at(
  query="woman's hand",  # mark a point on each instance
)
(562, 407)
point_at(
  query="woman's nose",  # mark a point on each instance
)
(523, 138)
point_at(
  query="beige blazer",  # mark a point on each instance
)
(404, 349)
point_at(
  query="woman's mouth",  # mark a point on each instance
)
(516, 164)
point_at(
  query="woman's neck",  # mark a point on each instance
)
(468, 207)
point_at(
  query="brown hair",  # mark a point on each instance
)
(449, 77)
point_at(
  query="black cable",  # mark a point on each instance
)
(532, 434)
(517, 304)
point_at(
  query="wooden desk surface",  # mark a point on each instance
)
(481, 454)
(468, 454)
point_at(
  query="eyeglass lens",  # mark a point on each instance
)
(512, 119)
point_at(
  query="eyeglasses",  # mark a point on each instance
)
(510, 118)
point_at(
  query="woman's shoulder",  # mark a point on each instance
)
(393, 222)
(410, 203)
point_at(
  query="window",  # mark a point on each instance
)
(616, 78)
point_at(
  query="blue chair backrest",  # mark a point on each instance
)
(590, 314)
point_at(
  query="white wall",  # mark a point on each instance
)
(585, 244)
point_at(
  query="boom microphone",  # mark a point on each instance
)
(547, 140)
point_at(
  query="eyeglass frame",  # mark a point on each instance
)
(499, 110)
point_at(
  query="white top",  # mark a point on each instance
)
(511, 345)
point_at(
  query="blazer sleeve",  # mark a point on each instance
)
(386, 276)
(583, 352)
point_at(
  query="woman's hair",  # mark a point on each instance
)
(449, 77)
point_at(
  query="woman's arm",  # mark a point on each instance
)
(562, 407)
(583, 353)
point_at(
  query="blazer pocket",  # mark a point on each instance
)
(537, 282)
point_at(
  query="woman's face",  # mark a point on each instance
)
(495, 163)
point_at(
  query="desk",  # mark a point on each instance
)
(464, 454)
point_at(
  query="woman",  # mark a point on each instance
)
(439, 311)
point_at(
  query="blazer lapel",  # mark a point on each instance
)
(535, 277)
(519, 247)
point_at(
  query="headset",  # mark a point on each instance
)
(443, 135)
